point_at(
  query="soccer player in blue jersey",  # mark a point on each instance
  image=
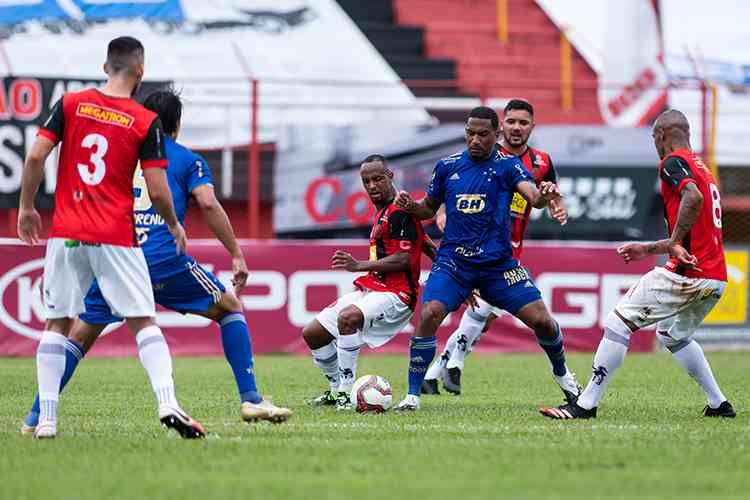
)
(179, 282)
(476, 186)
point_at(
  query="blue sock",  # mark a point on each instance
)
(235, 338)
(421, 354)
(73, 354)
(555, 351)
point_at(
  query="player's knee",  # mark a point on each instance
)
(672, 344)
(616, 329)
(231, 302)
(350, 319)
(433, 311)
(545, 326)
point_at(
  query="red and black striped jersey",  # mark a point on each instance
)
(540, 165)
(705, 240)
(395, 231)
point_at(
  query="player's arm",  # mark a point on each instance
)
(29, 222)
(557, 209)
(218, 222)
(676, 174)
(538, 197)
(403, 237)
(424, 209)
(429, 247)
(153, 159)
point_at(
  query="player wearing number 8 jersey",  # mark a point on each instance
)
(104, 135)
(678, 296)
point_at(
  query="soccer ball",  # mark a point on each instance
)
(371, 393)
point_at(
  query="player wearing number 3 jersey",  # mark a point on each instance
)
(679, 295)
(104, 134)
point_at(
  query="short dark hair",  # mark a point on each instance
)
(485, 113)
(375, 157)
(167, 104)
(123, 53)
(519, 104)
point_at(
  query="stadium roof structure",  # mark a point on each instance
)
(313, 66)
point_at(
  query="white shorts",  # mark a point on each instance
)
(385, 315)
(70, 267)
(676, 303)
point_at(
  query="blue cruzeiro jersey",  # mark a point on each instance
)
(477, 199)
(186, 171)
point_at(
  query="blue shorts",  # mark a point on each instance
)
(189, 289)
(506, 285)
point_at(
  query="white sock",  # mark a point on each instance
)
(609, 356)
(348, 351)
(50, 366)
(153, 352)
(327, 359)
(435, 371)
(467, 333)
(689, 355)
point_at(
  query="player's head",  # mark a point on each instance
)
(377, 179)
(481, 132)
(671, 131)
(167, 104)
(125, 59)
(518, 122)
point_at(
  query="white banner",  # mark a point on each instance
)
(313, 64)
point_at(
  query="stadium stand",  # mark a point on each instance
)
(433, 34)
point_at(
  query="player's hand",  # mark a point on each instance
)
(549, 190)
(684, 257)
(344, 261)
(405, 201)
(633, 251)
(239, 274)
(440, 220)
(180, 240)
(558, 211)
(29, 225)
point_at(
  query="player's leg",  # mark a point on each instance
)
(67, 276)
(470, 327)
(125, 283)
(372, 319)
(321, 336)
(638, 308)
(238, 350)
(516, 293)
(322, 347)
(676, 334)
(81, 339)
(446, 289)
(349, 322)
(473, 323)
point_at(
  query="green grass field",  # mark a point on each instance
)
(649, 441)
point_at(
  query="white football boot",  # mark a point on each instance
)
(409, 403)
(45, 430)
(569, 385)
(265, 410)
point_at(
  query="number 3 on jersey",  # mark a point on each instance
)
(98, 145)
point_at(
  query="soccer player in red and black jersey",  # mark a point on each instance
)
(517, 125)
(384, 299)
(679, 295)
(104, 134)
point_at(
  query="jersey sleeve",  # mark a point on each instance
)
(515, 172)
(551, 175)
(152, 154)
(436, 188)
(53, 127)
(676, 173)
(198, 174)
(403, 230)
